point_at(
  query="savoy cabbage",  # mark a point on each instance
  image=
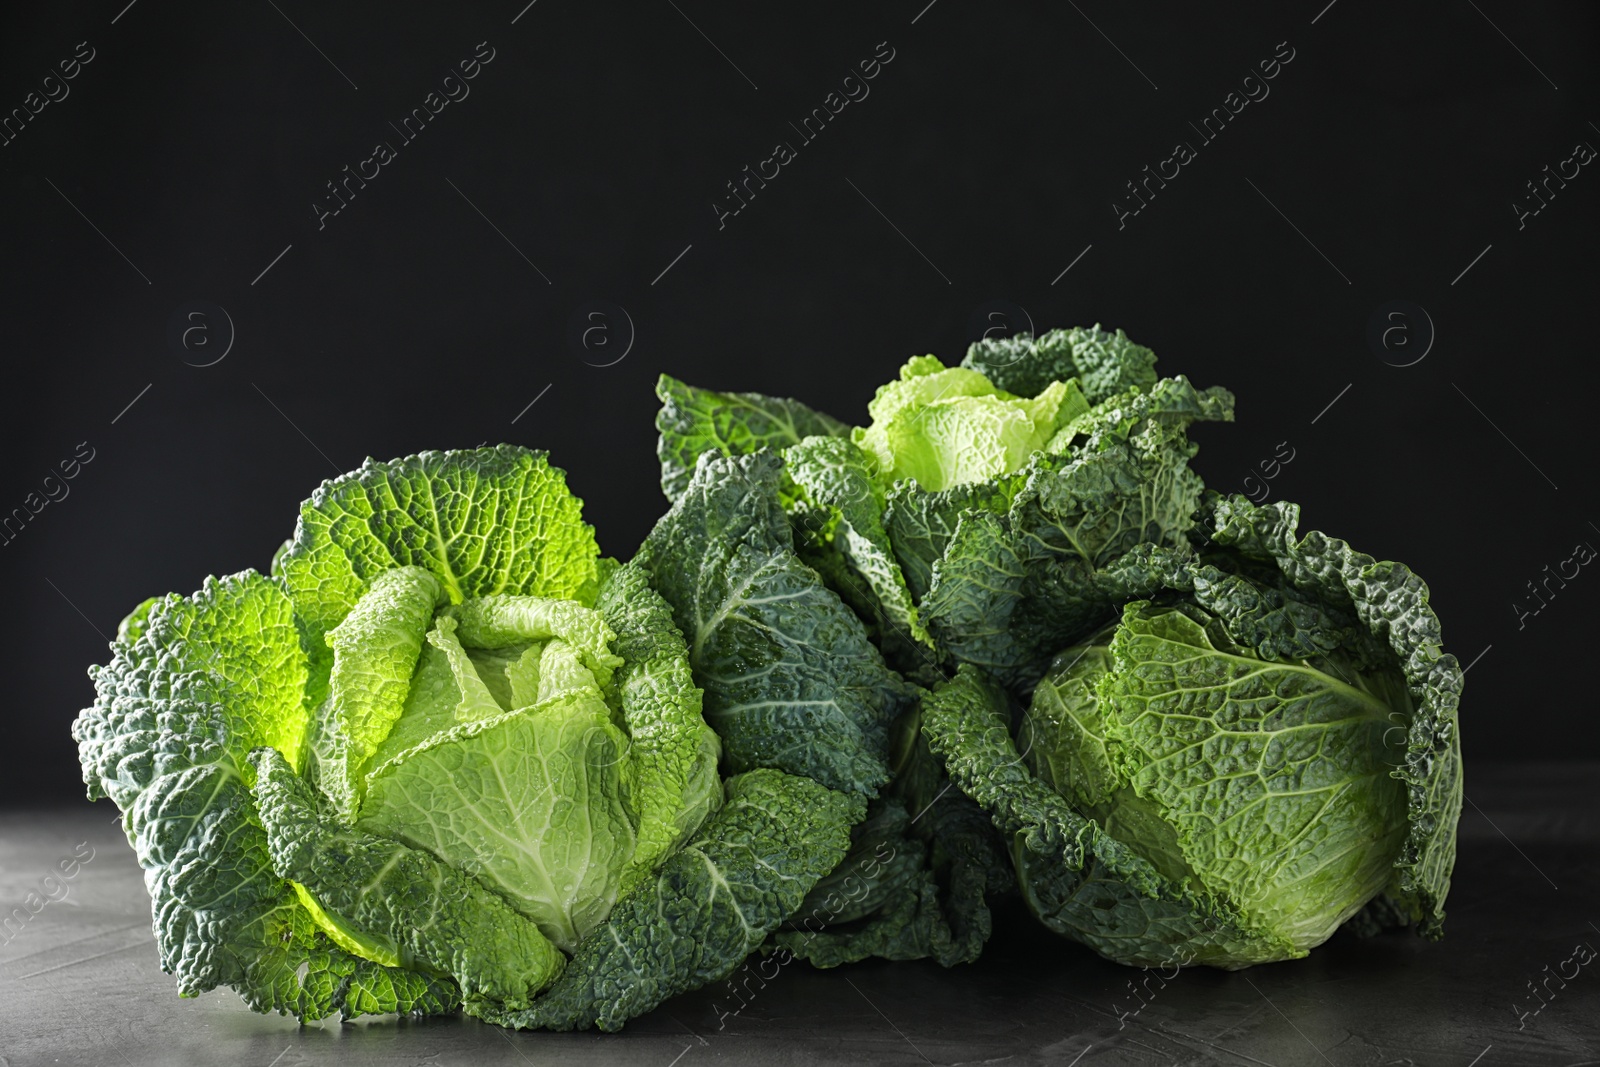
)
(446, 756)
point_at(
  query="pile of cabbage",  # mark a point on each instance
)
(856, 684)
(1201, 736)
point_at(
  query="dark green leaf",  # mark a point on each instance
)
(694, 420)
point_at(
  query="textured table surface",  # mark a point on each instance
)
(79, 983)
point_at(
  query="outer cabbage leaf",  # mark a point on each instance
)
(132, 624)
(879, 901)
(835, 475)
(917, 880)
(693, 421)
(710, 905)
(920, 524)
(1104, 363)
(436, 919)
(483, 522)
(196, 683)
(791, 680)
(671, 769)
(977, 585)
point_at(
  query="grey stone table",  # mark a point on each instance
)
(79, 983)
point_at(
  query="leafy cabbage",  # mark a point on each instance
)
(446, 756)
(1262, 748)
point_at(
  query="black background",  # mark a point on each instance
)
(996, 140)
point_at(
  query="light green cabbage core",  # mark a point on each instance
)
(495, 740)
(945, 427)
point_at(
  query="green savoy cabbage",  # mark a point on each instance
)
(1261, 748)
(445, 756)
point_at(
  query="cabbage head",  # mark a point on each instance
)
(1260, 749)
(445, 756)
